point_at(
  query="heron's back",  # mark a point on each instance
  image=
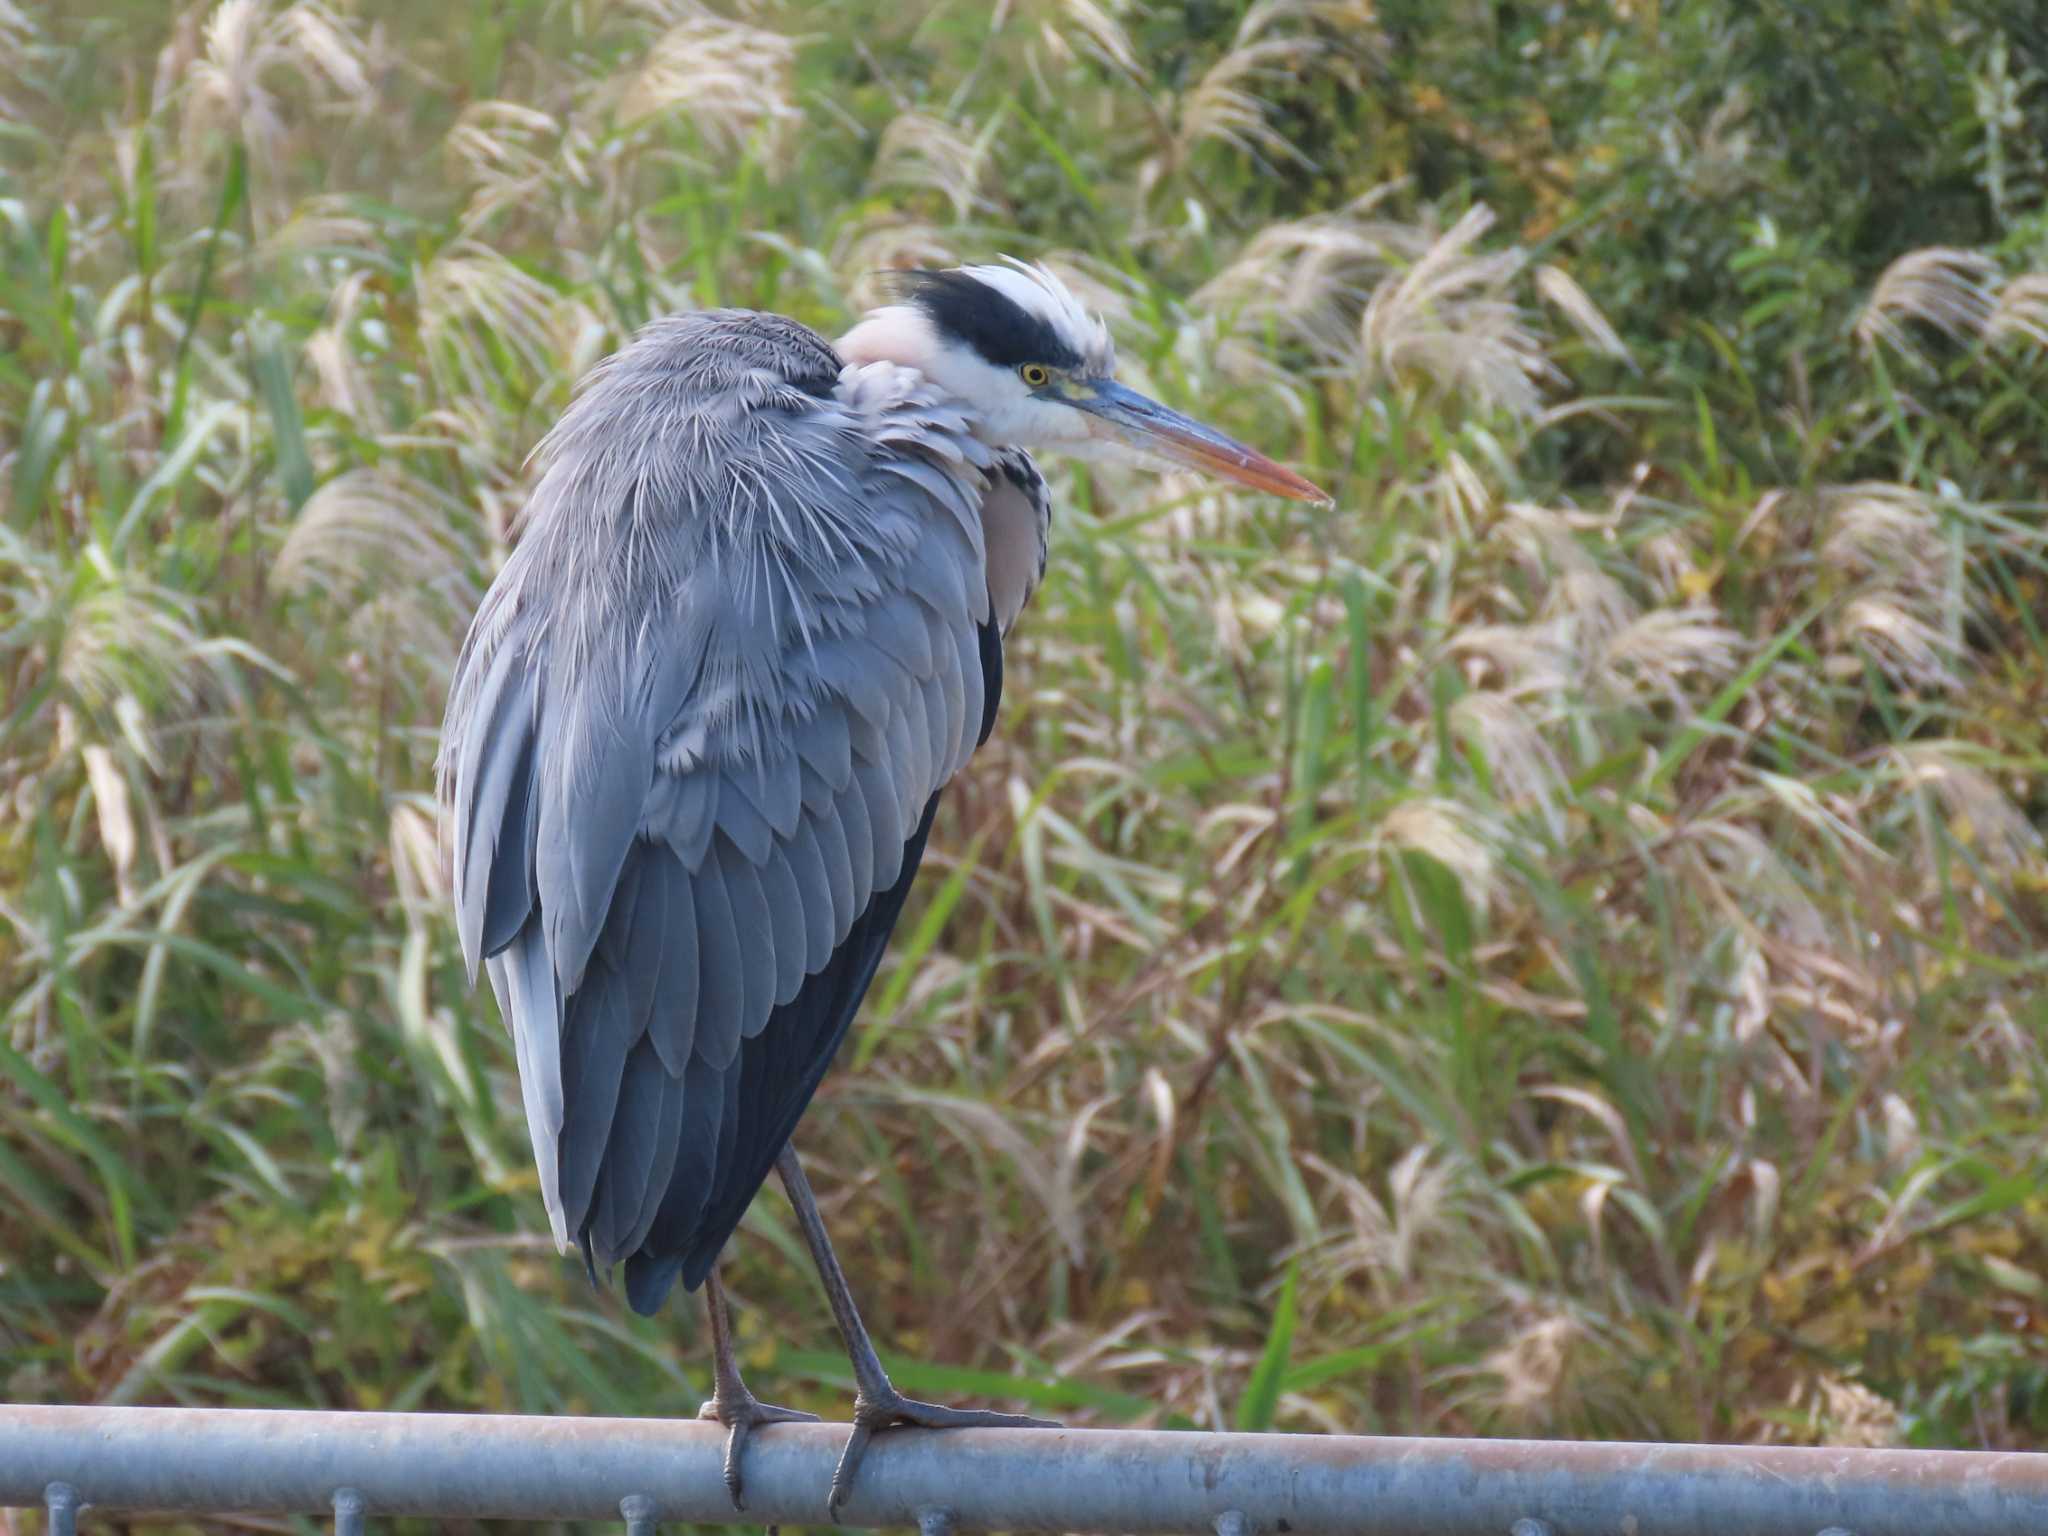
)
(692, 752)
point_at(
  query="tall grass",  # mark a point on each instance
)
(1553, 945)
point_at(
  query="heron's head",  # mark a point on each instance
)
(1039, 372)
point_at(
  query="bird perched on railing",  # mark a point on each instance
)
(702, 721)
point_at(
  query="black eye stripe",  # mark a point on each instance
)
(998, 328)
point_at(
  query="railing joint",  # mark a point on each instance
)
(638, 1511)
(349, 1512)
(60, 1504)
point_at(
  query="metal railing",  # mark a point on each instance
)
(355, 1466)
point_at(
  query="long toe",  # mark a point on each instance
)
(892, 1410)
(908, 1410)
(741, 1415)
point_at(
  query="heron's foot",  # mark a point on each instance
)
(741, 1412)
(890, 1409)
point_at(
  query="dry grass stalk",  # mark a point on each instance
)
(1952, 292)
(729, 79)
(1449, 320)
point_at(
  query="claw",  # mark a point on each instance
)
(890, 1409)
(742, 1413)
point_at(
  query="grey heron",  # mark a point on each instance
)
(700, 726)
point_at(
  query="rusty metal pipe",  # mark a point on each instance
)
(451, 1466)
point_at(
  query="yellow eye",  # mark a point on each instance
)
(1037, 375)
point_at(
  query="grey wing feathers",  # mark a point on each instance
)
(691, 755)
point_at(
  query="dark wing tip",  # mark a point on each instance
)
(649, 1280)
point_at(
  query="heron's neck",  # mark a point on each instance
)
(989, 398)
(898, 334)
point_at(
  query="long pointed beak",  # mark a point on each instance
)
(1149, 427)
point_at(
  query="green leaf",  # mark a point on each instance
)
(234, 187)
(1255, 1408)
(1703, 724)
(288, 430)
(884, 1009)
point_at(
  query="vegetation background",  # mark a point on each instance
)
(1552, 945)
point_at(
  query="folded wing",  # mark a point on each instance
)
(683, 828)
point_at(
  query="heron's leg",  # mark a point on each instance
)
(731, 1403)
(877, 1405)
